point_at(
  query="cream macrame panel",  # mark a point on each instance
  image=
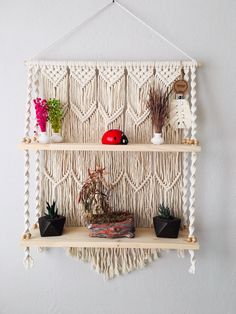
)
(97, 97)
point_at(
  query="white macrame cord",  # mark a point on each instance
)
(96, 96)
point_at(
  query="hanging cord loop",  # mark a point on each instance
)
(73, 31)
(100, 11)
(153, 30)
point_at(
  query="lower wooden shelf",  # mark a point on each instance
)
(78, 237)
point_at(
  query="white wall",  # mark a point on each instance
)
(58, 284)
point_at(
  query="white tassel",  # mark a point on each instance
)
(180, 114)
(181, 253)
(192, 261)
(28, 260)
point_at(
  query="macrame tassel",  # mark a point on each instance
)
(41, 249)
(181, 253)
(180, 115)
(28, 261)
(192, 261)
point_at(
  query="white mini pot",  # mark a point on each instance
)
(43, 138)
(56, 138)
(157, 139)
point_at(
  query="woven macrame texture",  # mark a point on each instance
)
(97, 96)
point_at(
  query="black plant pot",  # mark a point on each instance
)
(51, 227)
(166, 228)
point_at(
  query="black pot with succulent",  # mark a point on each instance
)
(165, 224)
(51, 224)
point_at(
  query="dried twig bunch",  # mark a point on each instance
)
(158, 106)
(94, 195)
(94, 200)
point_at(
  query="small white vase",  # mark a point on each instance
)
(43, 138)
(56, 138)
(157, 139)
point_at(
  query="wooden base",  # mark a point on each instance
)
(78, 237)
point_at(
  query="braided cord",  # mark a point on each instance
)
(28, 262)
(185, 165)
(193, 155)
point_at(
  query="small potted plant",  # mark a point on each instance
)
(41, 109)
(157, 104)
(166, 225)
(55, 117)
(101, 221)
(51, 224)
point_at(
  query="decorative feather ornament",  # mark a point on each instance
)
(180, 114)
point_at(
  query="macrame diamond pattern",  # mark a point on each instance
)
(167, 74)
(55, 74)
(83, 74)
(111, 74)
(140, 74)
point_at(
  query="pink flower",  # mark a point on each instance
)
(41, 109)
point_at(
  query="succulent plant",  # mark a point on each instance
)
(164, 212)
(52, 211)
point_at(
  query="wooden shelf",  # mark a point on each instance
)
(78, 237)
(115, 148)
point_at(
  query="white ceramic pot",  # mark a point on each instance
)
(56, 138)
(157, 139)
(43, 138)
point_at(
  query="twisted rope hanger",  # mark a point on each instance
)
(99, 12)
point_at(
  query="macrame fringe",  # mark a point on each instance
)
(114, 262)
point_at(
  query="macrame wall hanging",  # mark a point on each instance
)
(97, 96)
